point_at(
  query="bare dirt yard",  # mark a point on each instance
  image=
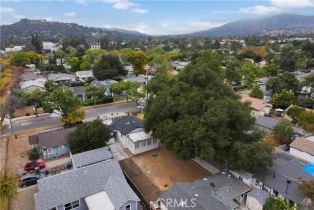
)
(24, 199)
(156, 171)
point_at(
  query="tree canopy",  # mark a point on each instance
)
(88, 136)
(108, 67)
(197, 115)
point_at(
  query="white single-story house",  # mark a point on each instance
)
(130, 132)
(84, 75)
(14, 49)
(31, 85)
(62, 78)
(106, 84)
(303, 148)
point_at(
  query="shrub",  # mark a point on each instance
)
(33, 154)
(104, 100)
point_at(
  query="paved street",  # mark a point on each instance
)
(55, 120)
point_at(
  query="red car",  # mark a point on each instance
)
(32, 166)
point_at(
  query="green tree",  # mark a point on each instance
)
(8, 185)
(257, 92)
(20, 59)
(94, 92)
(272, 70)
(283, 99)
(250, 71)
(75, 63)
(108, 67)
(232, 70)
(294, 112)
(309, 80)
(197, 115)
(34, 98)
(306, 119)
(128, 88)
(50, 86)
(138, 60)
(283, 132)
(307, 188)
(88, 136)
(36, 43)
(64, 101)
(278, 204)
(33, 154)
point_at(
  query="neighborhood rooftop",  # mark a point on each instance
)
(83, 182)
(126, 124)
(217, 191)
(90, 157)
(51, 138)
(255, 103)
(304, 145)
(266, 122)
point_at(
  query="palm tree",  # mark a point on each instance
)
(8, 185)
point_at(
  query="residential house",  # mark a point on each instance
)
(52, 144)
(79, 91)
(129, 69)
(90, 157)
(30, 85)
(282, 179)
(14, 49)
(142, 79)
(106, 84)
(95, 46)
(62, 78)
(256, 199)
(50, 46)
(97, 186)
(303, 148)
(217, 192)
(259, 107)
(266, 123)
(130, 132)
(306, 92)
(84, 75)
(178, 65)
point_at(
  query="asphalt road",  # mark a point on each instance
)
(55, 120)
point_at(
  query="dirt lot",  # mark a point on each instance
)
(26, 110)
(24, 199)
(156, 171)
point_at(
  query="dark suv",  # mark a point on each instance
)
(29, 179)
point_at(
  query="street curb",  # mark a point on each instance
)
(108, 104)
(29, 117)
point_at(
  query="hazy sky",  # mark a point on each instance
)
(150, 16)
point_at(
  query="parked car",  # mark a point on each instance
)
(32, 166)
(29, 179)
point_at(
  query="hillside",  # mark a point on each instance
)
(279, 24)
(55, 30)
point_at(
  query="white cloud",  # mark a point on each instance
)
(168, 28)
(260, 10)
(277, 6)
(140, 11)
(81, 1)
(70, 14)
(7, 11)
(292, 3)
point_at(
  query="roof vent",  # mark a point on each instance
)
(212, 184)
(196, 195)
(205, 179)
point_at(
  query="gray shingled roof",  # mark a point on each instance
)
(266, 122)
(285, 168)
(259, 195)
(79, 90)
(91, 157)
(79, 183)
(126, 124)
(217, 192)
(51, 138)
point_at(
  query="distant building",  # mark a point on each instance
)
(31, 85)
(84, 75)
(178, 65)
(106, 84)
(62, 78)
(95, 46)
(79, 91)
(266, 123)
(14, 49)
(303, 148)
(256, 199)
(50, 46)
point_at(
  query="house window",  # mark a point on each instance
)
(149, 142)
(154, 141)
(50, 151)
(137, 145)
(128, 207)
(72, 205)
(143, 144)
